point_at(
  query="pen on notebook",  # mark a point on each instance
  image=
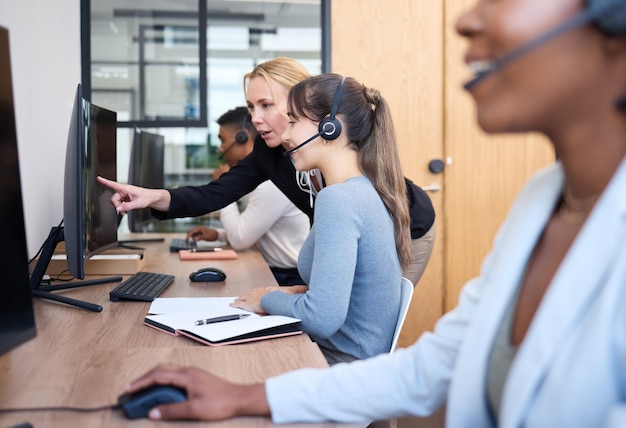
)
(205, 250)
(222, 318)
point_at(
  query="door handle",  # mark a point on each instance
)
(434, 187)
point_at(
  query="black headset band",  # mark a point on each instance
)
(335, 107)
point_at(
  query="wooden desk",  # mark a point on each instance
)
(84, 359)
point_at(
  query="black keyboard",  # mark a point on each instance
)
(178, 244)
(142, 286)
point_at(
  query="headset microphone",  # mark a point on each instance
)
(221, 156)
(307, 141)
(597, 8)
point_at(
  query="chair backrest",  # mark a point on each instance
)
(406, 292)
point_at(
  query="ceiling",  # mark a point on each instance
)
(258, 14)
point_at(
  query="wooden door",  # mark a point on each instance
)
(409, 51)
(389, 46)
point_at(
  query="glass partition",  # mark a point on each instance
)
(179, 63)
(172, 67)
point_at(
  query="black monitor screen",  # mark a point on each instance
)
(90, 220)
(17, 321)
(145, 170)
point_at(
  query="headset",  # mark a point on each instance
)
(329, 128)
(608, 15)
(241, 137)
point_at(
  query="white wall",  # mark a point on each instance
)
(45, 58)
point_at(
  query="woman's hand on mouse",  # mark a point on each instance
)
(251, 301)
(208, 397)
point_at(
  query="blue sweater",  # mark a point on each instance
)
(350, 264)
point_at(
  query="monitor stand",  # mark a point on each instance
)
(37, 290)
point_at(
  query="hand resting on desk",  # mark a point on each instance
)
(251, 301)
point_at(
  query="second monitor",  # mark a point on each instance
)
(145, 170)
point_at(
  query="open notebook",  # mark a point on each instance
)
(178, 316)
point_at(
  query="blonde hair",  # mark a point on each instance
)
(282, 70)
(370, 132)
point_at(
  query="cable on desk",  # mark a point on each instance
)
(61, 409)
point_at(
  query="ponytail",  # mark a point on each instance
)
(380, 161)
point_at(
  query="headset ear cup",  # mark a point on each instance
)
(329, 129)
(614, 21)
(241, 137)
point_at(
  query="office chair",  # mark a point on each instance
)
(405, 300)
(406, 292)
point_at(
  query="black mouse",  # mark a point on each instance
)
(137, 404)
(209, 274)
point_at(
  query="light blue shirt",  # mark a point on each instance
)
(350, 263)
(570, 370)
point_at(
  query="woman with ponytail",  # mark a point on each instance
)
(359, 243)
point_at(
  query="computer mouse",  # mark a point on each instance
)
(137, 404)
(209, 274)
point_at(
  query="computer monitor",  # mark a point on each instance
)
(90, 220)
(17, 320)
(145, 170)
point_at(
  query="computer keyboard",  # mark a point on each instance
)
(142, 286)
(178, 244)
